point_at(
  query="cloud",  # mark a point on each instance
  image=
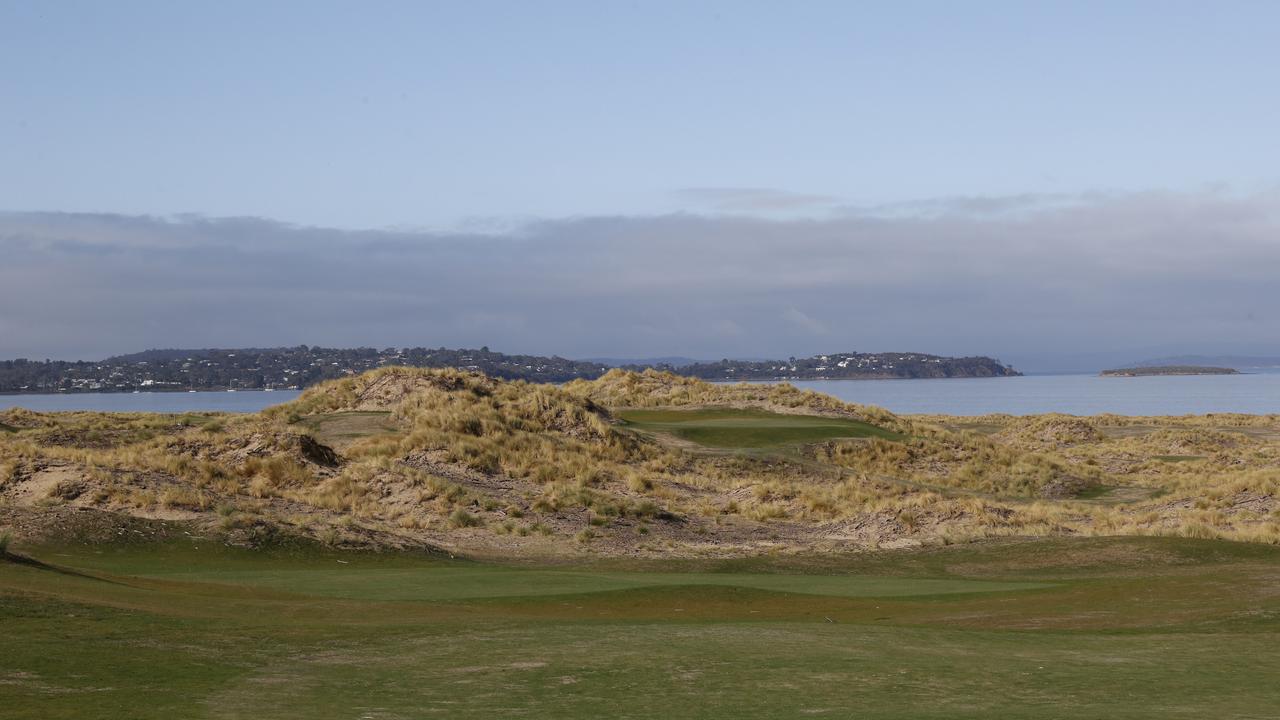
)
(749, 199)
(1189, 270)
(804, 322)
(975, 205)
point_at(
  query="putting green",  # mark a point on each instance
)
(735, 428)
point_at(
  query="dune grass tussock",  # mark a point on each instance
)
(1051, 431)
(963, 461)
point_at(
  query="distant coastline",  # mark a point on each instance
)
(296, 368)
(1239, 362)
(1163, 370)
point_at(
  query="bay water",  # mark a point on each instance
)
(1254, 392)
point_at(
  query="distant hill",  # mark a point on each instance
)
(303, 366)
(1239, 362)
(849, 366)
(274, 368)
(1169, 370)
(672, 361)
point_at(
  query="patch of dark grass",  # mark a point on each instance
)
(461, 519)
(1095, 492)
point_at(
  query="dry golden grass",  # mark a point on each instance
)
(510, 461)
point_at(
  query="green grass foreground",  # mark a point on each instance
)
(735, 428)
(1065, 628)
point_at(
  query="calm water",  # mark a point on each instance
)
(1075, 394)
(164, 402)
(1257, 393)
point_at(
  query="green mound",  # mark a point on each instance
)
(734, 428)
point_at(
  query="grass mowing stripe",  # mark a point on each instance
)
(469, 583)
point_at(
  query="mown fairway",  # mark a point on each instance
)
(1061, 628)
(734, 428)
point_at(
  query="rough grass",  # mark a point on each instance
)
(1059, 629)
(454, 459)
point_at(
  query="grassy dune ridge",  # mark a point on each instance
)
(633, 464)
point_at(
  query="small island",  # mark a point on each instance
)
(1170, 370)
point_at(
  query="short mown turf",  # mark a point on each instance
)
(734, 428)
(1088, 628)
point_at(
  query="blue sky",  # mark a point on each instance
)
(445, 115)
(1030, 180)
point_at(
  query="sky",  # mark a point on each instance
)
(1029, 180)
